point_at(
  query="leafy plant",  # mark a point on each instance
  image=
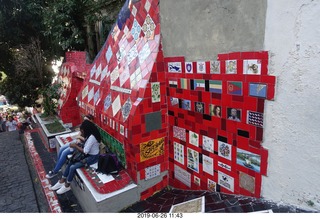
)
(55, 127)
(51, 95)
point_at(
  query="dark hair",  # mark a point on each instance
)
(90, 128)
(90, 117)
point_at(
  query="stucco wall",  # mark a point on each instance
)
(199, 30)
(292, 120)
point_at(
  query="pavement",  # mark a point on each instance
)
(25, 159)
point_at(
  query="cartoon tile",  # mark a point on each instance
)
(252, 67)
(215, 86)
(234, 88)
(178, 152)
(255, 118)
(155, 92)
(212, 185)
(226, 181)
(189, 67)
(249, 160)
(214, 67)
(231, 66)
(207, 164)
(193, 160)
(258, 90)
(174, 67)
(194, 138)
(247, 182)
(224, 150)
(208, 143)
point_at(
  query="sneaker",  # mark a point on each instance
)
(51, 174)
(57, 186)
(63, 189)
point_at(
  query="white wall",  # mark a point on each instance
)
(292, 132)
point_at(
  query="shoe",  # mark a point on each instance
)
(57, 186)
(63, 189)
(51, 174)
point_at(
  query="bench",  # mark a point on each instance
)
(97, 192)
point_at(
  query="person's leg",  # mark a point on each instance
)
(64, 151)
(67, 177)
(62, 159)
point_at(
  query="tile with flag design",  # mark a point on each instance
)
(234, 88)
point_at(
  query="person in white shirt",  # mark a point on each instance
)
(11, 124)
(91, 149)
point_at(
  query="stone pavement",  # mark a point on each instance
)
(16, 188)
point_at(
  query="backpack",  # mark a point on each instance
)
(108, 164)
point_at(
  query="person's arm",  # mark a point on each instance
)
(76, 146)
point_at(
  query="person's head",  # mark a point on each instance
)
(88, 128)
(89, 117)
(10, 118)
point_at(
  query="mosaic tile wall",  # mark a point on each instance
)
(216, 111)
(125, 90)
(201, 121)
(70, 76)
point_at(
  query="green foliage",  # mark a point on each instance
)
(50, 95)
(36, 32)
(71, 23)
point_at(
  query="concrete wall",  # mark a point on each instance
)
(292, 120)
(199, 30)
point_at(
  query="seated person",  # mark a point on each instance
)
(91, 149)
(65, 150)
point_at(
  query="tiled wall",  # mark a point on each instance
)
(168, 114)
(216, 111)
(70, 77)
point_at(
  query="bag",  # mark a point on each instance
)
(108, 164)
(77, 156)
